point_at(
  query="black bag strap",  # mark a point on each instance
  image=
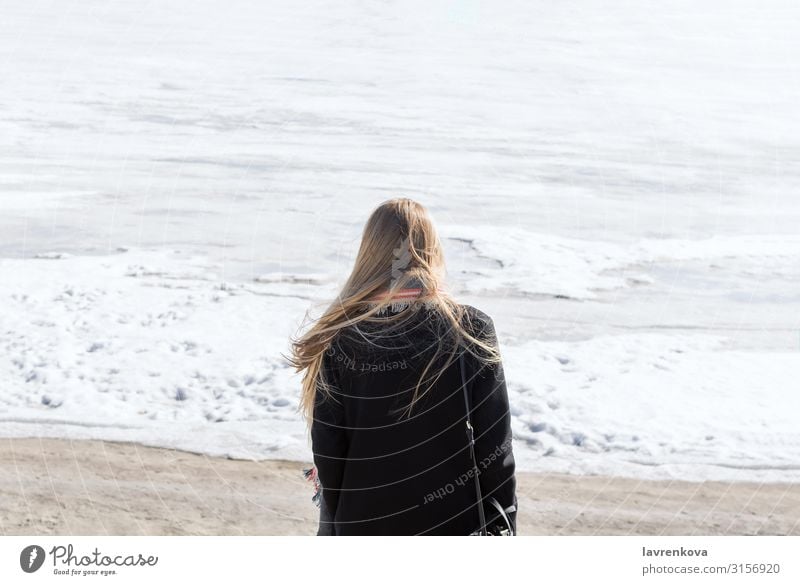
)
(471, 438)
(502, 513)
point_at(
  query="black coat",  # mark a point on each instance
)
(386, 475)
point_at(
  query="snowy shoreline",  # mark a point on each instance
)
(151, 346)
(616, 184)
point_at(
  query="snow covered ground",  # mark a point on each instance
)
(616, 184)
(154, 346)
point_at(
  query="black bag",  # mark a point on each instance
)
(498, 523)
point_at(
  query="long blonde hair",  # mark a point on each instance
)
(399, 248)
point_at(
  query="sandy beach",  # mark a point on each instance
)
(57, 486)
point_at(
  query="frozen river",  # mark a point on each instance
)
(617, 184)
